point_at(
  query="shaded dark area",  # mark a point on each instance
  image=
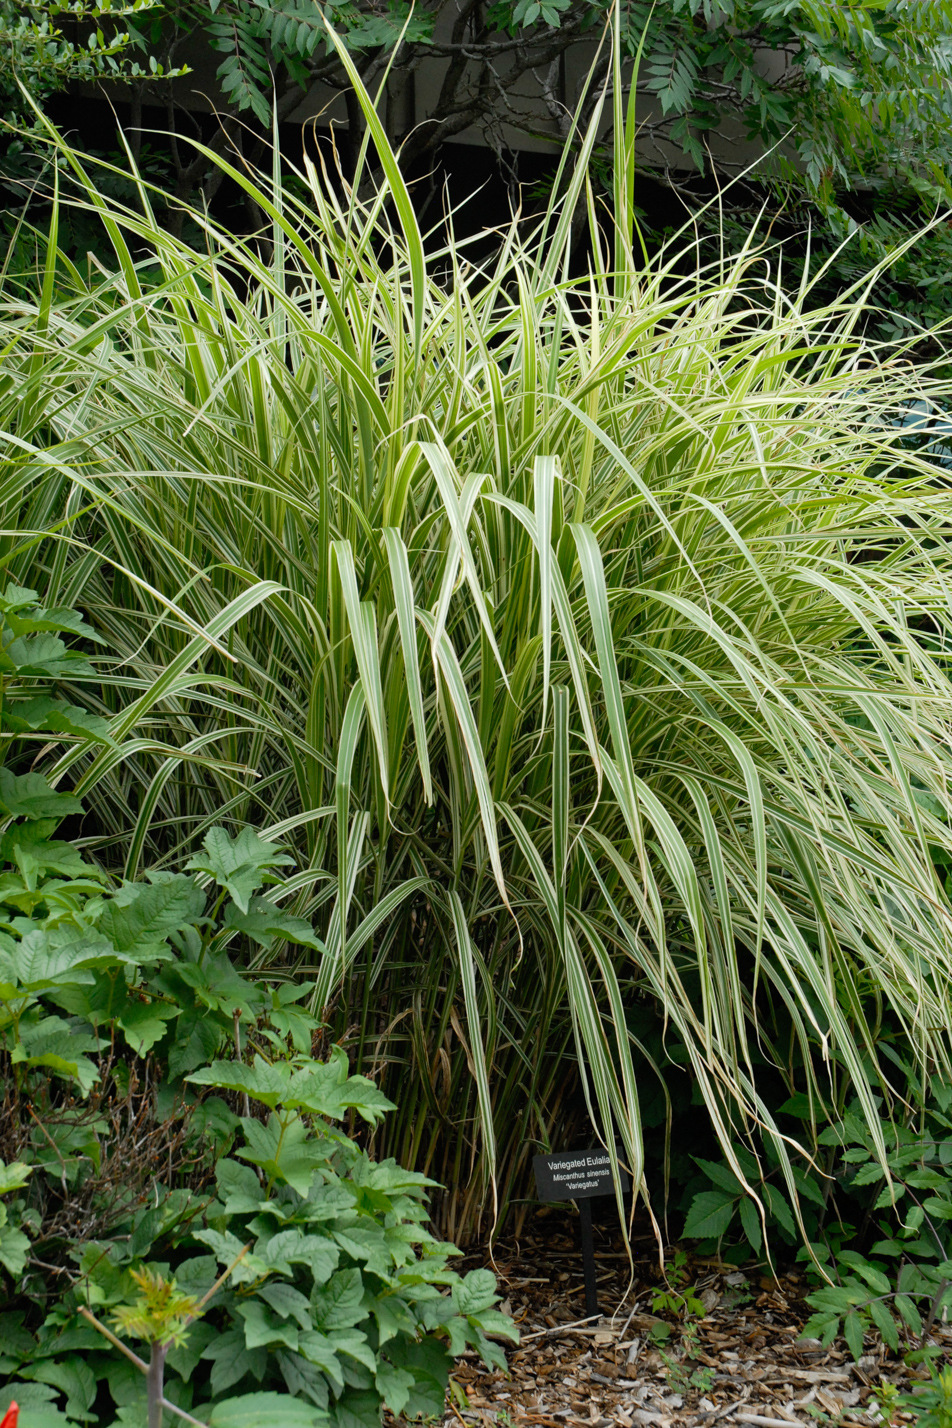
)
(479, 188)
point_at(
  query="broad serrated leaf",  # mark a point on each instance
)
(141, 914)
(710, 1215)
(319, 1351)
(277, 1410)
(475, 1291)
(197, 1037)
(264, 1328)
(30, 796)
(61, 956)
(289, 1247)
(55, 716)
(393, 1385)
(143, 1023)
(357, 1408)
(263, 923)
(303, 1379)
(340, 1303)
(239, 864)
(239, 1187)
(286, 1301)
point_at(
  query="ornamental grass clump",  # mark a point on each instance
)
(587, 636)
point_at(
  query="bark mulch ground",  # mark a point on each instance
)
(746, 1361)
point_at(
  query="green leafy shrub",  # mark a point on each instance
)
(339, 1298)
(128, 1165)
(891, 1271)
(878, 1238)
(928, 1406)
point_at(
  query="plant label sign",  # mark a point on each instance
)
(575, 1175)
(580, 1175)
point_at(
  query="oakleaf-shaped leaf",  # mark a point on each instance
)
(16, 602)
(45, 655)
(144, 913)
(263, 922)
(238, 864)
(14, 1248)
(17, 597)
(30, 796)
(264, 1083)
(29, 846)
(55, 716)
(288, 1154)
(327, 1089)
(14, 1176)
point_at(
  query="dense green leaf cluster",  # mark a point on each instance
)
(878, 1237)
(895, 1274)
(114, 1173)
(47, 46)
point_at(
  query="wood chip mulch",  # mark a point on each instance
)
(749, 1362)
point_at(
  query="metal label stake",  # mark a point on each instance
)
(582, 1176)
